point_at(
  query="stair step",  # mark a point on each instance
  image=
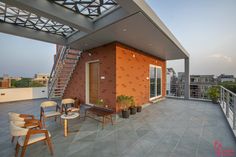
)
(68, 67)
(62, 71)
(68, 58)
(62, 78)
(59, 85)
(70, 63)
(72, 56)
(57, 92)
(58, 89)
(74, 53)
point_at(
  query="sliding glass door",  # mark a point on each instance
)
(155, 81)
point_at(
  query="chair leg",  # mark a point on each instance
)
(12, 139)
(23, 151)
(17, 149)
(44, 124)
(85, 115)
(40, 125)
(103, 122)
(50, 145)
(111, 120)
(55, 118)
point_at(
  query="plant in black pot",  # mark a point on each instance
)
(133, 108)
(139, 108)
(100, 103)
(124, 102)
(214, 94)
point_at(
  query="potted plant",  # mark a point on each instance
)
(100, 103)
(133, 108)
(214, 94)
(124, 102)
(139, 108)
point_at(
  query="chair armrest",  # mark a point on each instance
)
(37, 131)
(33, 122)
(27, 116)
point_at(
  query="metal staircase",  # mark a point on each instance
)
(63, 67)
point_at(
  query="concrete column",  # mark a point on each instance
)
(187, 79)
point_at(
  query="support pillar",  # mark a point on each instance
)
(187, 79)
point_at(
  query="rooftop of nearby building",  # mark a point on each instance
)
(168, 128)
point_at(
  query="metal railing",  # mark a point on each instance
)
(56, 67)
(197, 91)
(228, 104)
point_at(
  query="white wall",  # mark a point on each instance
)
(15, 94)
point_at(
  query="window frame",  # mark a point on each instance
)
(157, 96)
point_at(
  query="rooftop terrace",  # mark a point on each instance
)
(168, 128)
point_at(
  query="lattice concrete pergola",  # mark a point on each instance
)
(85, 24)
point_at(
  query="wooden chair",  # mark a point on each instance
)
(28, 137)
(19, 117)
(44, 114)
(71, 102)
(23, 120)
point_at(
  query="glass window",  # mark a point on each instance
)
(158, 81)
(152, 82)
(155, 81)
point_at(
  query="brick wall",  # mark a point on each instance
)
(106, 56)
(132, 73)
(126, 71)
(6, 83)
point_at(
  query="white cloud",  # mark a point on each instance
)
(220, 56)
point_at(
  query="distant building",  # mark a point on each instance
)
(225, 78)
(41, 78)
(199, 85)
(170, 81)
(5, 83)
(6, 76)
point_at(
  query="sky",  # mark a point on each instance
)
(24, 57)
(205, 28)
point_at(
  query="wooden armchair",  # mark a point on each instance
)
(28, 137)
(20, 117)
(23, 120)
(44, 114)
(71, 102)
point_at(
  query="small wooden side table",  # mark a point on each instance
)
(70, 115)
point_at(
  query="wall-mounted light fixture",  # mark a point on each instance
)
(124, 30)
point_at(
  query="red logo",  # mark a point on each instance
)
(220, 152)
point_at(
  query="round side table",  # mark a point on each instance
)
(70, 115)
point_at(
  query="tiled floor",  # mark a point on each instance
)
(170, 128)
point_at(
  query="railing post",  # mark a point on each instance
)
(187, 79)
(227, 104)
(234, 113)
(223, 97)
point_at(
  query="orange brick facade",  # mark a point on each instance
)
(125, 69)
